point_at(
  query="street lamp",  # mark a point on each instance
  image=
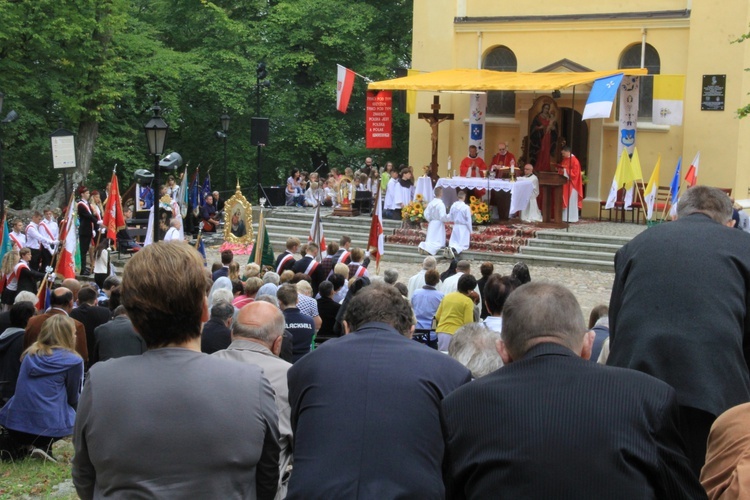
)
(260, 81)
(156, 136)
(12, 116)
(225, 127)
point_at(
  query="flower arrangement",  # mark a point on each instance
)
(414, 211)
(480, 212)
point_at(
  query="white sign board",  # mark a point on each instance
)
(63, 151)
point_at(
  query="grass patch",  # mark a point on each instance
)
(32, 478)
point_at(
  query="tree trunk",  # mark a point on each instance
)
(88, 132)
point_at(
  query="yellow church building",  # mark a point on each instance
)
(677, 37)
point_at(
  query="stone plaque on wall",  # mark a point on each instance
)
(713, 92)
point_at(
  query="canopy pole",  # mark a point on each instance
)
(572, 120)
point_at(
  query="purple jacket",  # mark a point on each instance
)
(46, 395)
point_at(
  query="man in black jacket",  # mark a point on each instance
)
(549, 424)
(90, 314)
(87, 227)
(679, 311)
(216, 333)
(117, 338)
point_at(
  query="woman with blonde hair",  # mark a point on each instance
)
(234, 271)
(7, 269)
(43, 409)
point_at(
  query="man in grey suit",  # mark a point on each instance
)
(679, 311)
(365, 407)
(549, 424)
(174, 422)
(117, 338)
(256, 339)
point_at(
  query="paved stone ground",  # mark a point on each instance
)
(590, 287)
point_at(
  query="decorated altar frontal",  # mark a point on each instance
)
(520, 189)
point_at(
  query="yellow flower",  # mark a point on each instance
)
(486, 218)
(418, 197)
(484, 207)
(473, 199)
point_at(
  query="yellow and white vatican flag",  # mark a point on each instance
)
(636, 174)
(652, 189)
(623, 178)
(669, 94)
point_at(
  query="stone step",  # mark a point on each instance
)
(574, 254)
(573, 246)
(582, 237)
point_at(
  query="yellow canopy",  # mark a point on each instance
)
(483, 79)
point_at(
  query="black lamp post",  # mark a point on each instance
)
(225, 127)
(12, 116)
(260, 73)
(156, 135)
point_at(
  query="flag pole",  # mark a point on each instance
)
(55, 261)
(260, 241)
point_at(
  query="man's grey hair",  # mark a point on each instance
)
(706, 200)
(390, 276)
(268, 298)
(463, 266)
(271, 277)
(222, 310)
(475, 346)
(438, 191)
(267, 333)
(541, 311)
(25, 296)
(429, 263)
(222, 294)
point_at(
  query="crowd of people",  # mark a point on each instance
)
(315, 379)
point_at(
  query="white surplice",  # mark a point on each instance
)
(460, 214)
(436, 216)
(532, 213)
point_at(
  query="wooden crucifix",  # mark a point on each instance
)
(434, 119)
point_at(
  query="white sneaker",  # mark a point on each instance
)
(448, 253)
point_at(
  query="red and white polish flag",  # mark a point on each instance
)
(344, 86)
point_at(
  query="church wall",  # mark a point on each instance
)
(549, 8)
(692, 46)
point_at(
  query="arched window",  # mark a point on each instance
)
(501, 103)
(631, 58)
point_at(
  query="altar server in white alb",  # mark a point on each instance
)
(531, 213)
(460, 214)
(436, 215)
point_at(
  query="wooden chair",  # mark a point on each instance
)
(637, 205)
(663, 202)
(619, 205)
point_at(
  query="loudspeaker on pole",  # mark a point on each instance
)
(259, 131)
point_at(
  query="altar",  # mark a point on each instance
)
(520, 190)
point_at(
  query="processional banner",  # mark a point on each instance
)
(477, 115)
(628, 114)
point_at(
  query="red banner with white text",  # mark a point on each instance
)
(378, 119)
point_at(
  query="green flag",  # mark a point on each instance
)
(262, 245)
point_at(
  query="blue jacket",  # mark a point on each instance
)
(46, 395)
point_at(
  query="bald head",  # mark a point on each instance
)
(260, 322)
(72, 285)
(62, 298)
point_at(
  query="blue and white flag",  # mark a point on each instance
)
(603, 93)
